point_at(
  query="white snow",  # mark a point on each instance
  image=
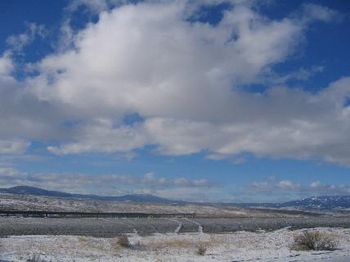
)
(239, 246)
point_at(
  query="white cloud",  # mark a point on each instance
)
(25, 117)
(281, 123)
(288, 185)
(152, 61)
(101, 136)
(181, 78)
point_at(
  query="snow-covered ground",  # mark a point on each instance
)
(239, 246)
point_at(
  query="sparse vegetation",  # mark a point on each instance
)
(315, 240)
(123, 241)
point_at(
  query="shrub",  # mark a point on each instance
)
(315, 240)
(202, 249)
(123, 241)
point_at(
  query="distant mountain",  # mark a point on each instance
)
(143, 198)
(306, 204)
(319, 202)
(33, 191)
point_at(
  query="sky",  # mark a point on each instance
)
(212, 100)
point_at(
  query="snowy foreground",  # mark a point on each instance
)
(238, 246)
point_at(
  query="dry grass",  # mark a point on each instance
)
(315, 240)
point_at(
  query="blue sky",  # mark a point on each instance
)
(238, 101)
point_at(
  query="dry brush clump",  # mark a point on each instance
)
(202, 249)
(315, 240)
(123, 241)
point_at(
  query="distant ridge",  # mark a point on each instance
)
(144, 198)
(311, 203)
(319, 202)
(27, 190)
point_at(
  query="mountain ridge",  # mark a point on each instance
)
(36, 191)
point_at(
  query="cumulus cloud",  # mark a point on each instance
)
(274, 186)
(181, 77)
(281, 123)
(23, 115)
(150, 60)
(100, 136)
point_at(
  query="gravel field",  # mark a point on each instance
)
(110, 227)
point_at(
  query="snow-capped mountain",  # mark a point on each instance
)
(319, 202)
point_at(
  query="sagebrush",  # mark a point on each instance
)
(315, 240)
(202, 249)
